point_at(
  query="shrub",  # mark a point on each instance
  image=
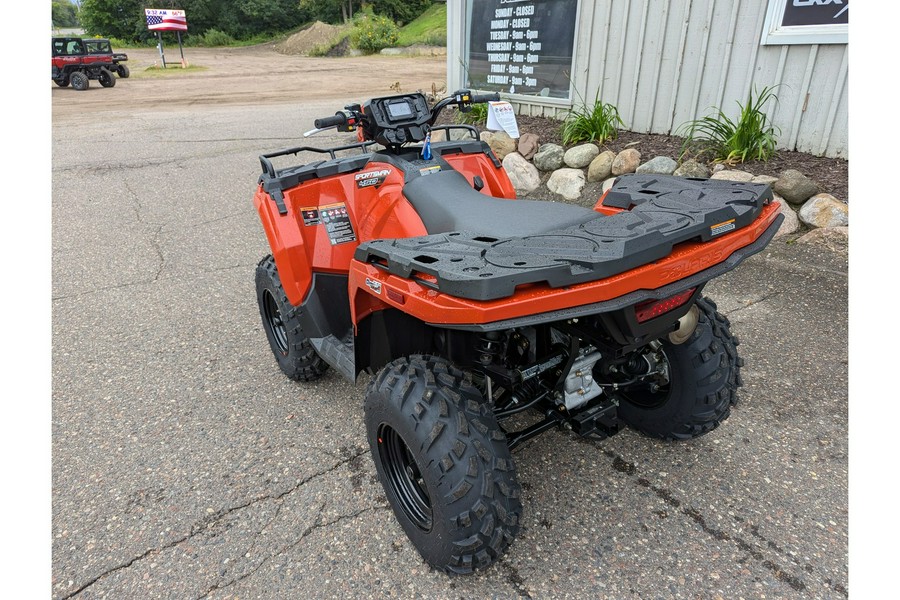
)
(372, 33)
(596, 123)
(476, 116)
(214, 37)
(720, 139)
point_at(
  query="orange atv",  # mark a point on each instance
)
(415, 262)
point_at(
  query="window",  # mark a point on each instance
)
(806, 22)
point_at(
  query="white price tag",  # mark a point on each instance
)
(502, 116)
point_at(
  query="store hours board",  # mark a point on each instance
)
(522, 46)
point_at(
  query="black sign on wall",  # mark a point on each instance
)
(815, 12)
(522, 46)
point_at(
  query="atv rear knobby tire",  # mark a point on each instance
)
(295, 355)
(79, 81)
(123, 71)
(106, 78)
(444, 463)
(704, 375)
(63, 81)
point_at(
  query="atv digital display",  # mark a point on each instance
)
(399, 110)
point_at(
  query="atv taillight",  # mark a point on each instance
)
(654, 308)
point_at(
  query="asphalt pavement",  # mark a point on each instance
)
(186, 466)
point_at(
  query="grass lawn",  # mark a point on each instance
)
(429, 28)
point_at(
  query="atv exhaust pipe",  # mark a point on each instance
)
(686, 326)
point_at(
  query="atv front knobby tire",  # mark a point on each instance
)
(106, 78)
(79, 81)
(123, 71)
(63, 81)
(295, 355)
(704, 375)
(444, 463)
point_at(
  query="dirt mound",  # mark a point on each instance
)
(316, 35)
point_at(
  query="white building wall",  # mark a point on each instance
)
(662, 63)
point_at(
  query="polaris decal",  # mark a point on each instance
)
(371, 178)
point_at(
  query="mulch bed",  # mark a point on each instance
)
(831, 174)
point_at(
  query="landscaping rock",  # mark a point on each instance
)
(549, 157)
(766, 179)
(795, 187)
(626, 161)
(601, 167)
(523, 175)
(661, 165)
(580, 156)
(718, 167)
(568, 183)
(733, 175)
(791, 222)
(824, 210)
(528, 145)
(500, 142)
(835, 238)
(691, 168)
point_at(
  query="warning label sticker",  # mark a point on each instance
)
(337, 224)
(310, 216)
(721, 228)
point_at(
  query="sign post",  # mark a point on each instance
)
(162, 19)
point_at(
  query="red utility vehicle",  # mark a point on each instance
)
(71, 63)
(488, 320)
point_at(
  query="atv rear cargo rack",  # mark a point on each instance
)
(664, 211)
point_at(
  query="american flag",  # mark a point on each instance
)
(165, 20)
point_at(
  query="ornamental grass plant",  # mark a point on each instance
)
(718, 138)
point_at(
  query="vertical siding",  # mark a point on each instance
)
(665, 62)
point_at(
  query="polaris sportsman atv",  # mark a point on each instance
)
(476, 311)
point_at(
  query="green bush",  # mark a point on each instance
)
(718, 138)
(372, 33)
(596, 123)
(476, 116)
(214, 37)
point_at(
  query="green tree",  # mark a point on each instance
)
(401, 11)
(113, 18)
(63, 14)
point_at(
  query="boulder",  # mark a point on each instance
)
(549, 157)
(528, 145)
(601, 167)
(791, 222)
(500, 142)
(578, 157)
(733, 175)
(523, 175)
(626, 161)
(795, 187)
(661, 165)
(824, 210)
(691, 168)
(568, 183)
(766, 179)
(834, 238)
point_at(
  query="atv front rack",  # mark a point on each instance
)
(656, 213)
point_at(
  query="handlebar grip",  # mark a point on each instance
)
(337, 119)
(481, 98)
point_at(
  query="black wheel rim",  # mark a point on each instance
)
(274, 322)
(404, 477)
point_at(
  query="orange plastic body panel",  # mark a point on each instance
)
(380, 212)
(432, 306)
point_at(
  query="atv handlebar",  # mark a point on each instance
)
(325, 122)
(482, 98)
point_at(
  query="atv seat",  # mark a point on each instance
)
(446, 202)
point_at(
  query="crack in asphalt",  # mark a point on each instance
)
(306, 532)
(629, 469)
(754, 302)
(516, 580)
(210, 521)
